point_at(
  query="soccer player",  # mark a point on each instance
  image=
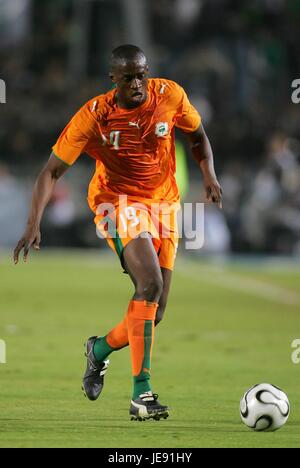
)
(129, 131)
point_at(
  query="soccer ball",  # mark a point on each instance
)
(264, 407)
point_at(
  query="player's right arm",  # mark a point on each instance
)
(73, 141)
(42, 193)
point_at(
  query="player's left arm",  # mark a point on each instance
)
(202, 152)
(189, 121)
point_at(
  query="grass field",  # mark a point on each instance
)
(227, 328)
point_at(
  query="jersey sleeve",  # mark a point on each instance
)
(77, 135)
(187, 117)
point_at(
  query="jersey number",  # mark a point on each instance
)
(130, 213)
(115, 139)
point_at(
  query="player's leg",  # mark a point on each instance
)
(147, 283)
(141, 262)
(167, 278)
(117, 338)
(111, 224)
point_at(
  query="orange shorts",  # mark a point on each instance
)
(121, 223)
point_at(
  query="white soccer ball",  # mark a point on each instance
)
(264, 407)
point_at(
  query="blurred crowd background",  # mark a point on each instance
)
(235, 58)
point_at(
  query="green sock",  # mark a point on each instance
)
(102, 349)
(141, 382)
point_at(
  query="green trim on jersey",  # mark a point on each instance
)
(118, 244)
(68, 165)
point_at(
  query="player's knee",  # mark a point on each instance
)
(151, 288)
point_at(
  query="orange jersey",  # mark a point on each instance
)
(134, 149)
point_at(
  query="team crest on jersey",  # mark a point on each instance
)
(162, 129)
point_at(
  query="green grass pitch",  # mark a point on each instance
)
(226, 328)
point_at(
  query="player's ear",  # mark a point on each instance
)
(112, 77)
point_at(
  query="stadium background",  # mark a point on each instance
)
(237, 60)
(237, 66)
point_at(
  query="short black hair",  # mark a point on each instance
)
(126, 53)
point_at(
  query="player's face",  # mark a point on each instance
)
(131, 80)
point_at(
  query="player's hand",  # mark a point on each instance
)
(31, 237)
(213, 191)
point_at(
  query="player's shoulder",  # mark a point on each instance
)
(163, 86)
(100, 105)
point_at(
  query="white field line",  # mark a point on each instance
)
(227, 280)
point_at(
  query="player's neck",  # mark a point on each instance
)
(123, 104)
